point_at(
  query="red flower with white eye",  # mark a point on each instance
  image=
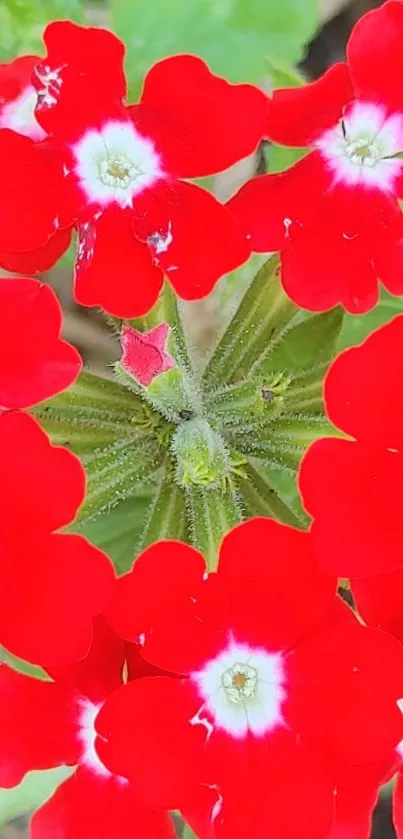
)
(119, 173)
(34, 361)
(334, 215)
(263, 702)
(352, 488)
(47, 724)
(52, 584)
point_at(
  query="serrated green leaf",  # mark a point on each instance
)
(118, 531)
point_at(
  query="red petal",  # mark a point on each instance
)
(270, 568)
(257, 779)
(15, 76)
(42, 485)
(357, 794)
(298, 116)
(37, 726)
(164, 576)
(145, 734)
(196, 632)
(113, 270)
(37, 261)
(52, 588)
(379, 601)
(221, 123)
(269, 208)
(88, 806)
(83, 68)
(375, 57)
(344, 684)
(34, 362)
(191, 236)
(360, 388)
(353, 493)
(101, 671)
(31, 184)
(320, 269)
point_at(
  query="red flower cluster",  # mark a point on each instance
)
(335, 215)
(251, 699)
(359, 503)
(116, 172)
(92, 802)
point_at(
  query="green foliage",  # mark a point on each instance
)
(233, 36)
(357, 327)
(33, 791)
(22, 23)
(193, 473)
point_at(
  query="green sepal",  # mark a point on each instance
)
(260, 498)
(282, 442)
(166, 518)
(262, 315)
(115, 473)
(200, 455)
(212, 512)
(305, 392)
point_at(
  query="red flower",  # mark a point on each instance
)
(334, 215)
(352, 488)
(117, 172)
(48, 724)
(52, 584)
(17, 111)
(144, 354)
(34, 362)
(276, 681)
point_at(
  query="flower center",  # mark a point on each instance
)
(363, 152)
(240, 682)
(118, 171)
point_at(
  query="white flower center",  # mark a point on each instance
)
(115, 164)
(240, 682)
(242, 690)
(18, 114)
(362, 148)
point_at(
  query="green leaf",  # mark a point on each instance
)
(357, 327)
(261, 317)
(33, 791)
(212, 513)
(166, 516)
(260, 498)
(307, 344)
(233, 36)
(118, 531)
